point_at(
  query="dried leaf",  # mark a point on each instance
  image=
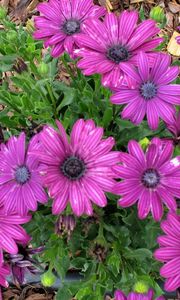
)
(173, 47)
(170, 19)
(39, 297)
(136, 1)
(106, 3)
(4, 3)
(32, 6)
(174, 7)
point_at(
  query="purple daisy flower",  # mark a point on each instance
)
(11, 232)
(23, 262)
(79, 171)
(61, 20)
(174, 126)
(169, 251)
(20, 182)
(151, 178)
(119, 295)
(110, 46)
(4, 272)
(150, 91)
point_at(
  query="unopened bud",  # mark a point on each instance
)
(48, 278)
(141, 287)
(157, 14)
(20, 66)
(30, 26)
(65, 225)
(43, 68)
(144, 143)
(11, 35)
(3, 12)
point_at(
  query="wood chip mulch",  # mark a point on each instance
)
(30, 292)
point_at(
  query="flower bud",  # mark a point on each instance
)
(48, 278)
(65, 225)
(11, 35)
(3, 13)
(43, 68)
(157, 14)
(30, 26)
(20, 66)
(144, 143)
(141, 287)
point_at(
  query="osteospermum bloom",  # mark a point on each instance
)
(109, 47)
(11, 232)
(4, 272)
(151, 178)
(169, 251)
(60, 20)
(150, 92)
(119, 295)
(20, 182)
(79, 171)
(23, 262)
(174, 126)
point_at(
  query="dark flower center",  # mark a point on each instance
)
(150, 178)
(73, 168)
(148, 90)
(22, 174)
(71, 26)
(117, 53)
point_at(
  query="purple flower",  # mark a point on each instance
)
(151, 178)
(11, 232)
(150, 91)
(109, 47)
(119, 295)
(174, 126)
(178, 39)
(23, 262)
(61, 20)
(4, 272)
(20, 182)
(79, 171)
(169, 251)
(65, 225)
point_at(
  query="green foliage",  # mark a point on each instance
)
(112, 249)
(126, 252)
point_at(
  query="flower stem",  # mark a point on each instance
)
(52, 98)
(68, 69)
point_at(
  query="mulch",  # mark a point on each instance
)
(29, 292)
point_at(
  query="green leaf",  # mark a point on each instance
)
(141, 13)
(114, 263)
(108, 114)
(8, 59)
(63, 294)
(69, 94)
(5, 67)
(85, 291)
(139, 254)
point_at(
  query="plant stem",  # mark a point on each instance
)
(68, 69)
(52, 98)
